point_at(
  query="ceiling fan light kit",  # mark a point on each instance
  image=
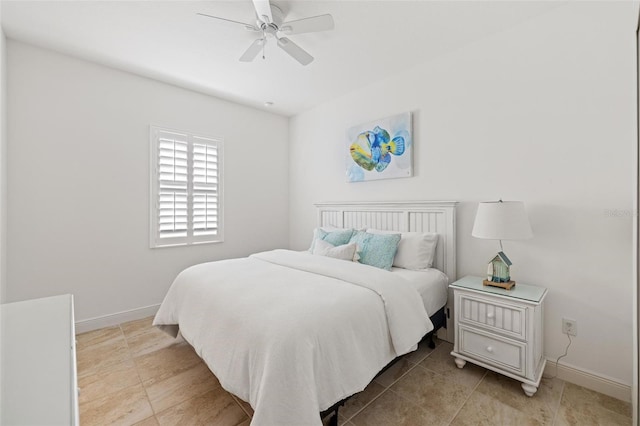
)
(270, 23)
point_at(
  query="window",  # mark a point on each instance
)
(186, 188)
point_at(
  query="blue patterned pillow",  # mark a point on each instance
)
(337, 238)
(376, 249)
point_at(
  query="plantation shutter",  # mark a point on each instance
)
(205, 188)
(173, 180)
(186, 188)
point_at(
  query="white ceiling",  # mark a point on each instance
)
(167, 41)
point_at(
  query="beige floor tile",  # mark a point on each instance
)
(167, 361)
(149, 341)
(550, 390)
(589, 416)
(482, 410)
(97, 337)
(576, 395)
(422, 352)
(244, 405)
(442, 362)
(126, 407)
(136, 327)
(216, 407)
(581, 406)
(165, 392)
(423, 388)
(542, 406)
(391, 409)
(358, 401)
(150, 421)
(102, 356)
(432, 392)
(105, 382)
(393, 373)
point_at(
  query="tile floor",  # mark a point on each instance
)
(134, 374)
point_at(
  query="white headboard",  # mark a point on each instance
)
(409, 216)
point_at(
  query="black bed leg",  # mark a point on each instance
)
(330, 415)
(431, 343)
(333, 421)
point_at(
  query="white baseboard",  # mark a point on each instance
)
(588, 380)
(90, 324)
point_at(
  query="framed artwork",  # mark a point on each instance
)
(381, 149)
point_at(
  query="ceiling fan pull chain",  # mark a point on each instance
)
(264, 37)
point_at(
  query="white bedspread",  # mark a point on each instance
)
(293, 333)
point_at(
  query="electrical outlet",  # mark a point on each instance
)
(570, 327)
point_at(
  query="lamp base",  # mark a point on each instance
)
(506, 286)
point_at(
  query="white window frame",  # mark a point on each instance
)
(155, 240)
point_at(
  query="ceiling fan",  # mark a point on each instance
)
(270, 24)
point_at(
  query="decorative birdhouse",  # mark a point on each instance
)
(498, 274)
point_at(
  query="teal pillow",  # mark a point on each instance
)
(337, 237)
(376, 249)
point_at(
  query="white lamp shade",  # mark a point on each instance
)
(502, 220)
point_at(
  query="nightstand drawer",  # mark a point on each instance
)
(509, 355)
(503, 318)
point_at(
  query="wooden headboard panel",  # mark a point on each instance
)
(409, 216)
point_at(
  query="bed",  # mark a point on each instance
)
(293, 333)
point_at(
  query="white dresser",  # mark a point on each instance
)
(39, 379)
(501, 330)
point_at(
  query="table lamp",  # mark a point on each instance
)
(501, 220)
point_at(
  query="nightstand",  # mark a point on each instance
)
(501, 330)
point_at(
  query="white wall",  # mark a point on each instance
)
(3, 180)
(3, 164)
(636, 246)
(78, 175)
(542, 113)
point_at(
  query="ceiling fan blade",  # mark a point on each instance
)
(253, 50)
(247, 26)
(308, 25)
(296, 52)
(263, 10)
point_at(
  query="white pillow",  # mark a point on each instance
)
(416, 250)
(344, 252)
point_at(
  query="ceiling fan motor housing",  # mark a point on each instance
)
(273, 26)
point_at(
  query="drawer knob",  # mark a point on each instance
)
(490, 315)
(490, 349)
